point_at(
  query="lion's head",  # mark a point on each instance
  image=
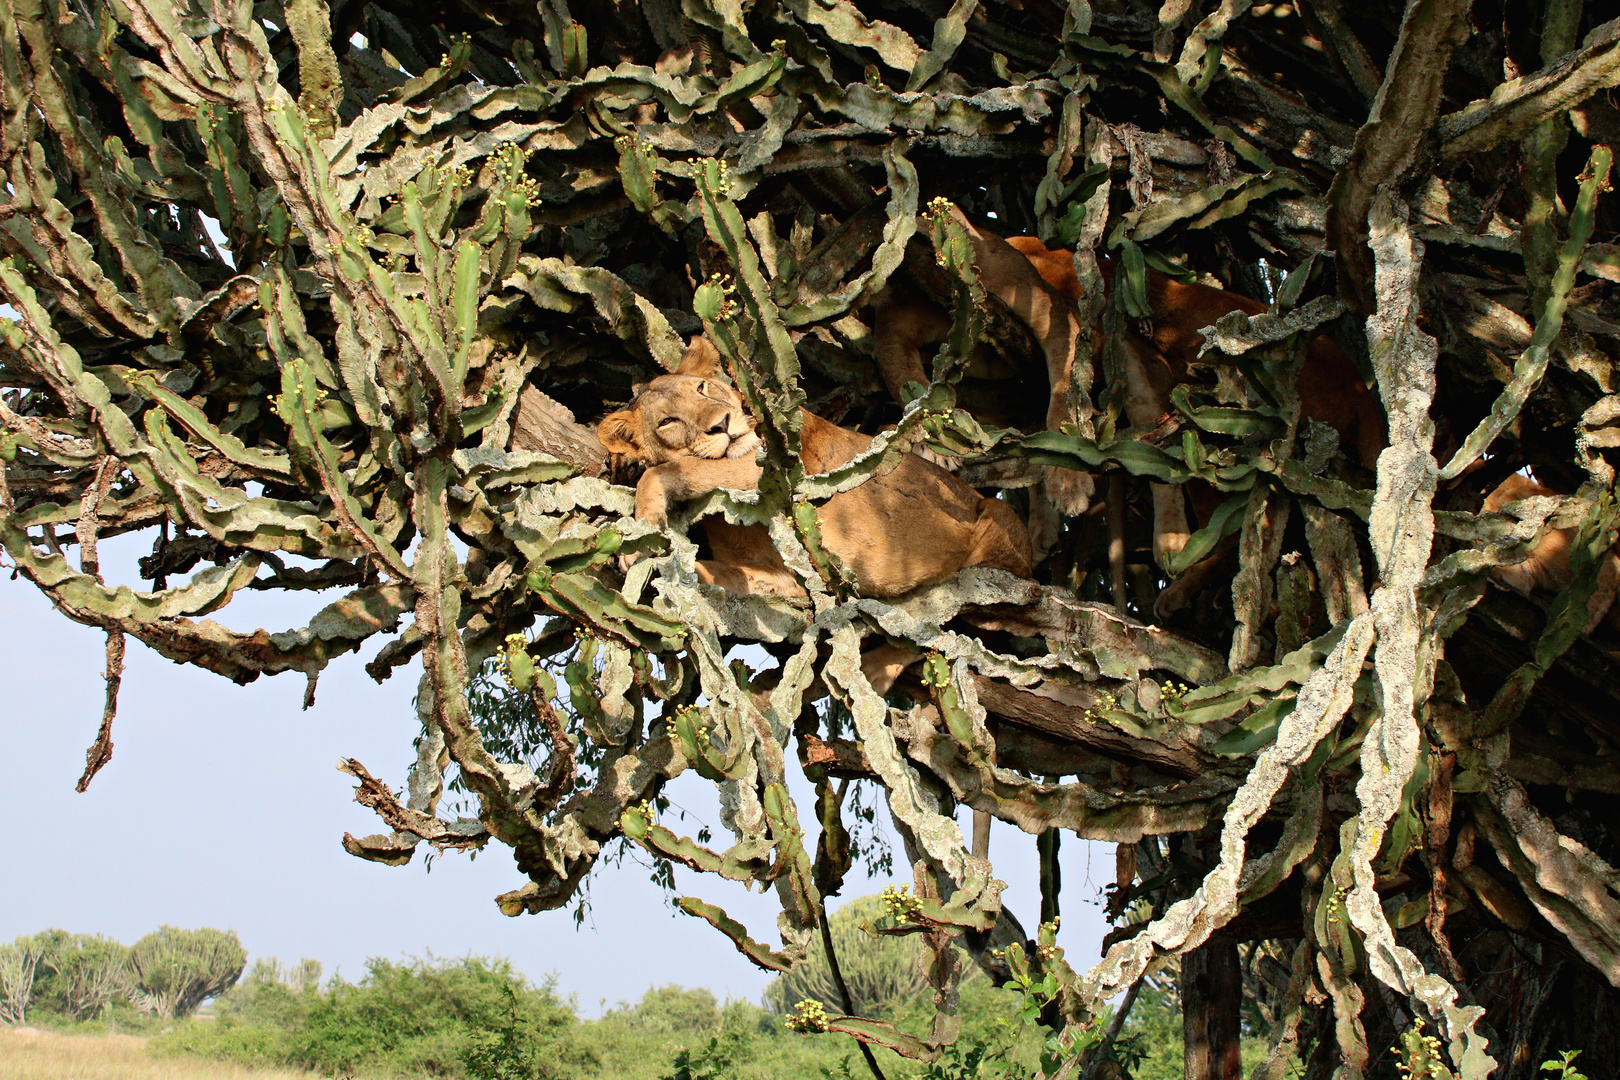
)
(691, 413)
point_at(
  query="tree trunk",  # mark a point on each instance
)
(1211, 997)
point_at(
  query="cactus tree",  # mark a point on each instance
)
(324, 295)
(172, 971)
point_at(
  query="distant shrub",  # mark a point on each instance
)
(300, 978)
(80, 975)
(727, 1050)
(1157, 1020)
(258, 1022)
(525, 1046)
(18, 963)
(272, 996)
(227, 1039)
(669, 1009)
(465, 1019)
(717, 1059)
(434, 1017)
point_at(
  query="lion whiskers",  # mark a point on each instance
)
(743, 445)
(711, 446)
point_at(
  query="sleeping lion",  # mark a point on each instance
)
(914, 526)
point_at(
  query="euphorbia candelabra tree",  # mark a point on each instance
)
(326, 296)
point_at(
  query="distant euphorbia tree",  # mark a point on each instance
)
(880, 972)
(19, 963)
(172, 971)
(80, 975)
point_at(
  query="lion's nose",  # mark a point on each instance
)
(721, 426)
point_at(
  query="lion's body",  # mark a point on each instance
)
(1330, 388)
(914, 526)
(1040, 286)
(1547, 567)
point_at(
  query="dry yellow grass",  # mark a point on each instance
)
(46, 1055)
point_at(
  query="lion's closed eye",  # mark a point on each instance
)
(668, 420)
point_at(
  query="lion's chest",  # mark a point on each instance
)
(740, 545)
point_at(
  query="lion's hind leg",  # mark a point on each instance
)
(1000, 541)
(883, 664)
(750, 580)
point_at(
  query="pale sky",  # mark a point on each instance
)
(222, 806)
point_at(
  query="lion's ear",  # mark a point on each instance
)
(702, 358)
(618, 432)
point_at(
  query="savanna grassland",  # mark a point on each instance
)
(37, 1054)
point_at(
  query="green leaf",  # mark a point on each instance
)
(1257, 731)
(464, 305)
(1131, 282)
(1225, 521)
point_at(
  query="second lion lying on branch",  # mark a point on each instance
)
(914, 526)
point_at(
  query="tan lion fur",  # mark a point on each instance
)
(1040, 286)
(904, 324)
(1547, 567)
(916, 525)
(1159, 358)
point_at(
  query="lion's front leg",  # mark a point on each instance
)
(684, 479)
(653, 498)
(1009, 275)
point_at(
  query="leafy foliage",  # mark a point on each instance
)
(674, 1028)
(463, 1029)
(472, 1018)
(520, 1048)
(715, 1059)
(67, 977)
(81, 974)
(439, 1017)
(315, 294)
(671, 1009)
(272, 997)
(18, 963)
(1563, 1066)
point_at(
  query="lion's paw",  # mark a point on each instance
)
(1168, 543)
(950, 463)
(1070, 491)
(1176, 597)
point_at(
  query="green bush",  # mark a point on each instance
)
(477, 1019)
(79, 975)
(260, 1021)
(523, 1047)
(468, 1019)
(227, 1039)
(718, 1059)
(272, 997)
(19, 963)
(667, 1009)
(428, 1017)
(683, 1032)
(1156, 1020)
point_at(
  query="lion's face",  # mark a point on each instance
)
(692, 413)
